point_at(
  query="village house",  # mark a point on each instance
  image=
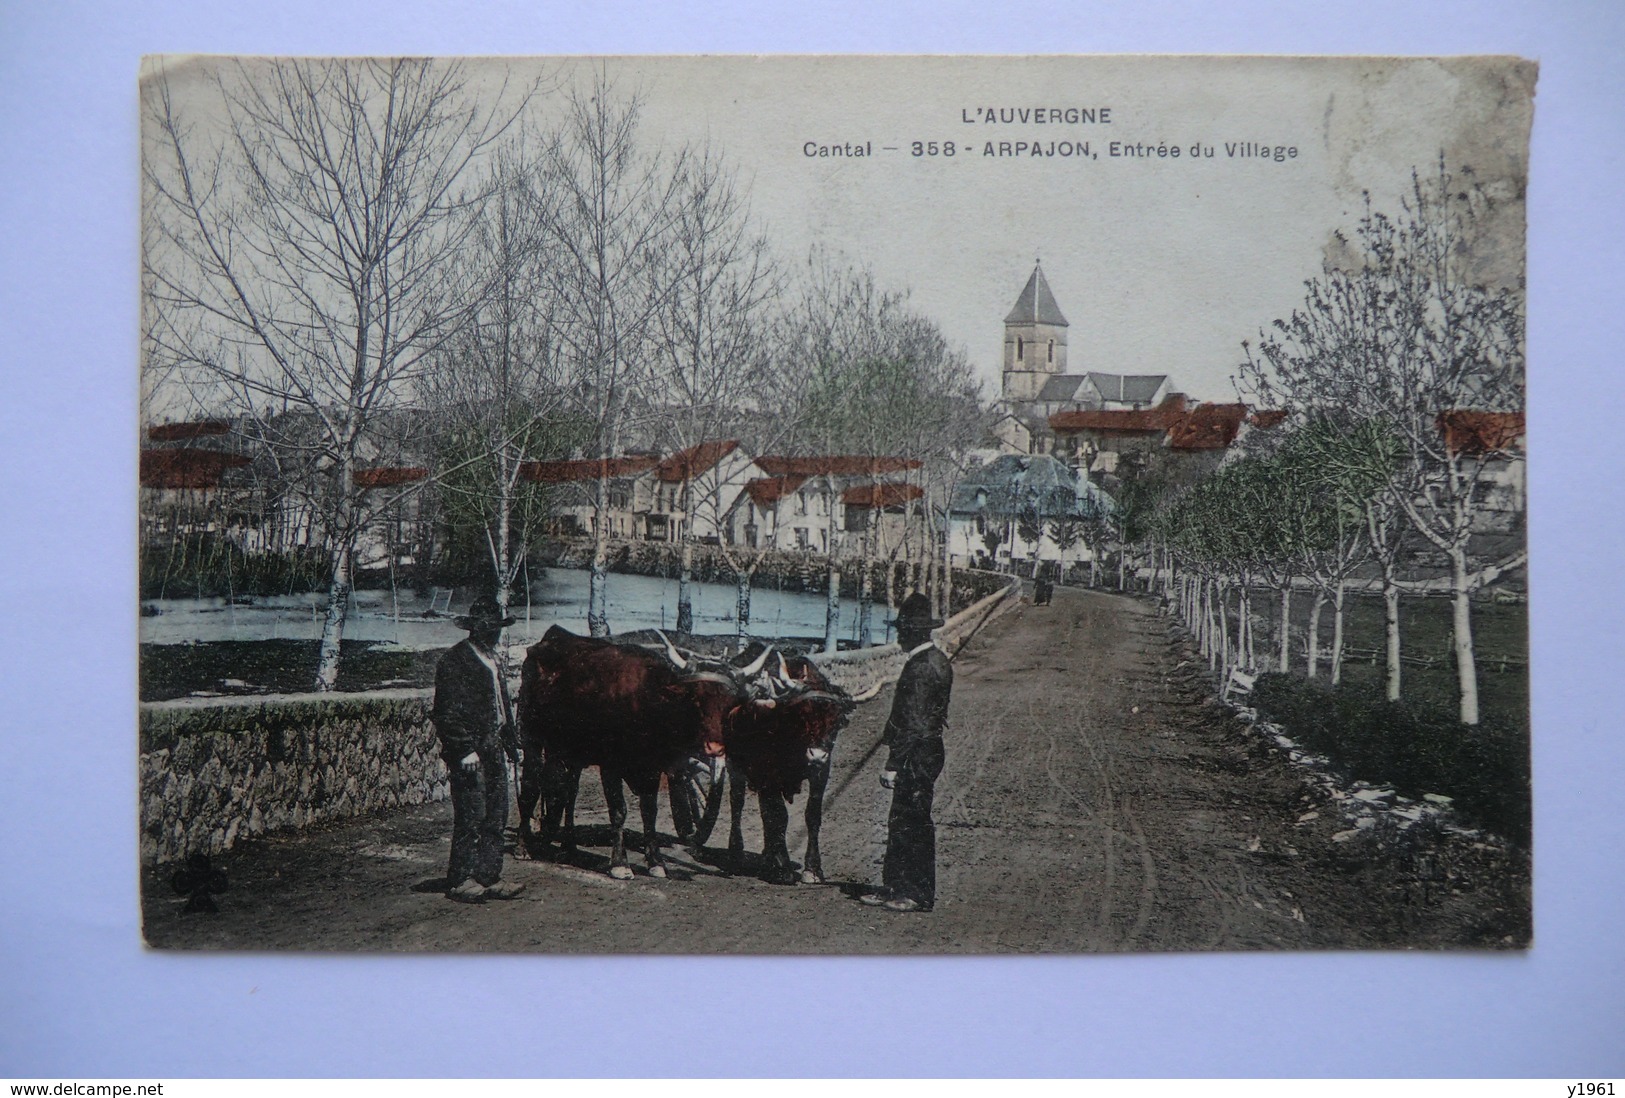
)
(790, 507)
(574, 508)
(1494, 443)
(691, 492)
(209, 476)
(1020, 509)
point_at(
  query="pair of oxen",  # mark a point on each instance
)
(640, 714)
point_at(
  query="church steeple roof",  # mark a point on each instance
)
(1036, 305)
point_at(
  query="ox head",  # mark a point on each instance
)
(715, 699)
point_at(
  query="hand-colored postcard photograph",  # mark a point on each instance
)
(833, 505)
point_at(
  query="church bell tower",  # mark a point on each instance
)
(1034, 340)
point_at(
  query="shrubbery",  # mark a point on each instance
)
(1415, 746)
(211, 565)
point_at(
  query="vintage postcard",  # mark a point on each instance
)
(834, 505)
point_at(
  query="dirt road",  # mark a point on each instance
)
(1095, 799)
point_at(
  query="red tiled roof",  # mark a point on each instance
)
(1150, 421)
(1468, 432)
(1204, 427)
(1207, 427)
(767, 491)
(840, 465)
(695, 461)
(389, 476)
(179, 432)
(1268, 417)
(187, 468)
(882, 494)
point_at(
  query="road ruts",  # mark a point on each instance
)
(1091, 802)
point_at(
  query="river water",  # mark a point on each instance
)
(635, 602)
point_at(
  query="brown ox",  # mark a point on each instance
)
(774, 752)
(633, 713)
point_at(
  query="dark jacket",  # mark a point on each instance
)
(919, 709)
(466, 715)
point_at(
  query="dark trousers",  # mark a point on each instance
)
(479, 806)
(910, 869)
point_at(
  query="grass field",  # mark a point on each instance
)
(275, 667)
(1500, 631)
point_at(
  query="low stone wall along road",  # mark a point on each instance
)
(1095, 799)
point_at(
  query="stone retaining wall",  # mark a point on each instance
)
(216, 770)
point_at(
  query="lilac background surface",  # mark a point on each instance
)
(79, 996)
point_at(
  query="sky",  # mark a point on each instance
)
(1162, 263)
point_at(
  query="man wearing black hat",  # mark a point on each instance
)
(919, 713)
(475, 722)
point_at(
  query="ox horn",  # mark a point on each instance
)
(671, 652)
(784, 670)
(756, 665)
(870, 693)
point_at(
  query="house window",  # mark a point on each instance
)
(1052, 350)
(1021, 349)
(801, 537)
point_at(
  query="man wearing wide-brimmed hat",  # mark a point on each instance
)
(919, 714)
(473, 716)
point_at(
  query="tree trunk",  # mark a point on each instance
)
(1337, 632)
(1286, 625)
(1223, 651)
(1390, 604)
(1204, 617)
(891, 591)
(1313, 641)
(832, 608)
(742, 578)
(1244, 618)
(1390, 617)
(1462, 622)
(685, 597)
(866, 593)
(338, 609)
(598, 575)
(501, 547)
(832, 604)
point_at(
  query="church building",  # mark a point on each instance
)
(1037, 383)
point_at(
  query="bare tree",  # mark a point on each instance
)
(838, 320)
(618, 205)
(871, 377)
(1407, 330)
(711, 338)
(498, 389)
(311, 222)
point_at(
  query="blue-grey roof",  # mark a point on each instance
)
(1127, 388)
(1036, 305)
(1061, 387)
(1012, 482)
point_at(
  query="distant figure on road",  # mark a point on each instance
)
(1043, 585)
(919, 714)
(474, 718)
